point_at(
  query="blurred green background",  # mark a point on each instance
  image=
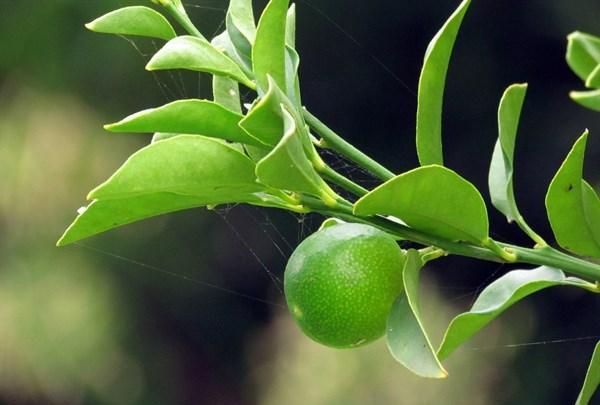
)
(187, 308)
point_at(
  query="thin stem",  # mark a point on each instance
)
(342, 181)
(338, 144)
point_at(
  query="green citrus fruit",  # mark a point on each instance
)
(341, 282)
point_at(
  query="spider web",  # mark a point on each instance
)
(172, 85)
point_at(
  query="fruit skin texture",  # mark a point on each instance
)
(340, 284)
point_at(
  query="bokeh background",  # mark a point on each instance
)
(187, 308)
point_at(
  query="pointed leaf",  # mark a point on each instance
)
(432, 199)
(499, 296)
(501, 169)
(589, 99)
(197, 54)
(592, 379)
(571, 208)
(226, 92)
(101, 216)
(286, 167)
(583, 53)
(201, 117)
(136, 20)
(431, 89)
(187, 164)
(268, 53)
(406, 337)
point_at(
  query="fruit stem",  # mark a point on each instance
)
(346, 149)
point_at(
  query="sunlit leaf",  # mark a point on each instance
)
(588, 99)
(406, 337)
(433, 199)
(501, 169)
(498, 297)
(572, 206)
(286, 167)
(431, 89)
(135, 20)
(187, 164)
(268, 53)
(592, 379)
(226, 92)
(197, 54)
(200, 117)
(583, 53)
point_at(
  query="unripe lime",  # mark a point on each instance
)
(341, 282)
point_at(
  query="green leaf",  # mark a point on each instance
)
(264, 121)
(290, 27)
(223, 43)
(431, 89)
(591, 208)
(500, 178)
(292, 58)
(588, 99)
(241, 28)
(268, 53)
(197, 54)
(241, 15)
(101, 216)
(432, 199)
(187, 164)
(201, 117)
(572, 206)
(499, 296)
(226, 92)
(286, 167)
(593, 80)
(136, 20)
(583, 53)
(406, 337)
(292, 81)
(592, 379)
